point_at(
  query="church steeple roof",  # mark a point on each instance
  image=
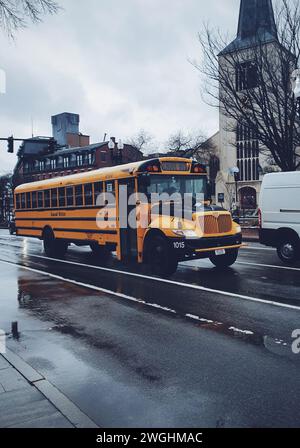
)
(256, 24)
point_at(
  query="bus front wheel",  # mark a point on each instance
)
(52, 246)
(226, 260)
(160, 257)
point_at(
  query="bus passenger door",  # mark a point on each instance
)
(128, 235)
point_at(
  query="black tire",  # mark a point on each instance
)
(100, 251)
(226, 260)
(160, 257)
(288, 250)
(52, 246)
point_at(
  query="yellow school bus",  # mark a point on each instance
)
(80, 209)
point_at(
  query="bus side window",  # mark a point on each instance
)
(34, 203)
(47, 199)
(28, 200)
(98, 189)
(18, 202)
(79, 195)
(88, 194)
(54, 198)
(62, 197)
(40, 199)
(109, 188)
(23, 201)
(70, 196)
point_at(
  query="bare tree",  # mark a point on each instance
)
(253, 86)
(6, 198)
(15, 14)
(141, 141)
(193, 145)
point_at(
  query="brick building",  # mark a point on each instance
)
(66, 152)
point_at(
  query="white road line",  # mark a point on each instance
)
(120, 295)
(289, 268)
(87, 285)
(257, 248)
(171, 282)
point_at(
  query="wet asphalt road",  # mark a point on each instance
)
(204, 348)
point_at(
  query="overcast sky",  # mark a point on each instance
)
(121, 64)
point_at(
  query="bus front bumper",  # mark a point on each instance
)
(186, 249)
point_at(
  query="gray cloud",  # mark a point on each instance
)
(123, 65)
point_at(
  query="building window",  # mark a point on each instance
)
(246, 76)
(53, 164)
(66, 162)
(103, 156)
(79, 159)
(90, 158)
(41, 165)
(247, 153)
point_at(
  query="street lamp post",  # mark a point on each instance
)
(235, 172)
(116, 151)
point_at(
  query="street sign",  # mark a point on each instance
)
(221, 197)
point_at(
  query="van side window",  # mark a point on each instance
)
(62, 197)
(78, 195)
(54, 198)
(88, 194)
(40, 199)
(70, 196)
(47, 199)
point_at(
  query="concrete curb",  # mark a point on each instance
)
(65, 406)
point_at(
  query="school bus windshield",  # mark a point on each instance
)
(194, 185)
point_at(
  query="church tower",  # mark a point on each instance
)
(238, 146)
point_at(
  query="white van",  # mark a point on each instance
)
(279, 211)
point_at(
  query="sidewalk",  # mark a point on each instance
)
(27, 400)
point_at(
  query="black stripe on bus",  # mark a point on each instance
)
(101, 232)
(65, 219)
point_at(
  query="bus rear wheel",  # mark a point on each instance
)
(160, 257)
(226, 260)
(54, 247)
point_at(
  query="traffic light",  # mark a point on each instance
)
(10, 145)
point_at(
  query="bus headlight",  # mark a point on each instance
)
(186, 233)
(238, 229)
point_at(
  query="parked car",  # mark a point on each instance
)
(279, 214)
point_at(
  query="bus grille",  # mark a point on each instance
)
(212, 225)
